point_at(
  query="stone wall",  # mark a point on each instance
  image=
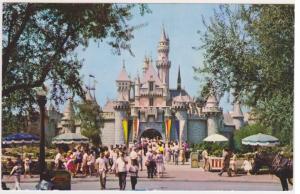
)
(197, 130)
(108, 133)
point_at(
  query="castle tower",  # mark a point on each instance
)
(121, 108)
(163, 64)
(123, 84)
(67, 121)
(237, 115)
(179, 80)
(146, 64)
(180, 105)
(213, 113)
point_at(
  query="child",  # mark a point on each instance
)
(247, 166)
(27, 164)
(17, 171)
(133, 171)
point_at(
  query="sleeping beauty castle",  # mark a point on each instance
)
(147, 107)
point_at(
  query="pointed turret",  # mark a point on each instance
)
(123, 76)
(163, 37)
(123, 84)
(163, 64)
(237, 115)
(179, 80)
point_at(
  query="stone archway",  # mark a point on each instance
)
(151, 134)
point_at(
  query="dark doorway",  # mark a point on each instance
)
(151, 134)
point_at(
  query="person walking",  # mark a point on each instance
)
(150, 163)
(160, 164)
(226, 162)
(176, 153)
(205, 157)
(121, 170)
(17, 171)
(133, 171)
(140, 159)
(102, 164)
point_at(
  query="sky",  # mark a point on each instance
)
(181, 22)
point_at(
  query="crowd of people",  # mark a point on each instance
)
(120, 160)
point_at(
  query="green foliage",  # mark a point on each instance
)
(245, 132)
(39, 42)
(213, 149)
(250, 50)
(88, 113)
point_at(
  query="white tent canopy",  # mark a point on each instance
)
(70, 138)
(260, 139)
(216, 138)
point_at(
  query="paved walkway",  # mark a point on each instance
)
(176, 173)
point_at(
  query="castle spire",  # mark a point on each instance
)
(179, 80)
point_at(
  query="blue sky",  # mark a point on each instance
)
(181, 21)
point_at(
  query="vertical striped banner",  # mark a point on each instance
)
(125, 128)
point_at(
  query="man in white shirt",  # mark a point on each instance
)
(121, 170)
(102, 164)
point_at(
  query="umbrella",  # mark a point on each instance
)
(70, 138)
(216, 138)
(21, 138)
(260, 139)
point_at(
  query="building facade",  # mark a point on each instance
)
(150, 99)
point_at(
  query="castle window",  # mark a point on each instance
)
(151, 101)
(151, 86)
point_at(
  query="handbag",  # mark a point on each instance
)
(147, 163)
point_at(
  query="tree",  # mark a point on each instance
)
(88, 114)
(250, 50)
(39, 42)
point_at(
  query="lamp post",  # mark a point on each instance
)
(42, 100)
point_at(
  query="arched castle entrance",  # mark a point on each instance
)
(151, 133)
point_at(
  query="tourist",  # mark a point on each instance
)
(27, 165)
(45, 183)
(181, 156)
(91, 162)
(84, 166)
(111, 154)
(160, 164)
(70, 163)
(247, 166)
(17, 171)
(167, 153)
(102, 164)
(186, 150)
(121, 170)
(78, 160)
(140, 158)
(149, 163)
(176, 153)
(205, 158)
(59, 159)
(226, 161)
(233, 163)
(133, 154)
(133, 171)
(9, 164)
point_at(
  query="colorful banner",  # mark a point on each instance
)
(168, 127)
(125, 128)
(163, 125)
(177, 128)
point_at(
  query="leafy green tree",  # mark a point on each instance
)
(249, 49)
(88, 114)
(39, 41)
